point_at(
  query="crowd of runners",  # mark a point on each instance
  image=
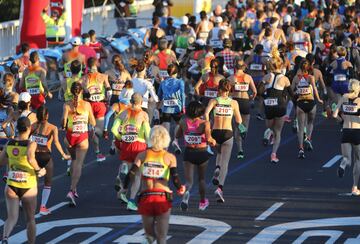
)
(191, 93)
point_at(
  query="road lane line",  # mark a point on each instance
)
(269, 211)
(332, 161)
(53, 208)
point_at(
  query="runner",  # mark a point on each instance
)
(273, 88)
(75, 68)
(225, 108)
(156, 166)
(204, 27)
(21, 185)
(182, 37)
(5, 110)
(350, 141)
(161, 58)
(133, 127)
(70, 56)
(228, 56)
(306, 91)
(207, 86)
(172, 96)
(300, 38)
(118, 75)
(97, 89)
(242, 83)
(197, 134)
(34, 82)
(11, 96)
(154, 34)
(44, 134)
(216, 35)
(77, 115)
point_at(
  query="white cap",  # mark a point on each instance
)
(25, 97)
(76, 41)
(287, 19)
(218, 19)
(184, 20)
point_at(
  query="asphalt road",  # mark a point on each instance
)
(295, 200)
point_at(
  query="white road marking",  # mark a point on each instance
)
(212, 229)
(332, 234)
(99, 232)
(272, 233)
(332, 161)
(269, 211)
(53, 208)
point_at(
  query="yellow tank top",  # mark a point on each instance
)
(154, 166)
(78, 122)
(21, 174)
(33, 84)
(69, 81)
(97, 93)
(304, 89)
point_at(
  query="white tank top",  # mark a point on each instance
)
(299, 41)
(215, 41)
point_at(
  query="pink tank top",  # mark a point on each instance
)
(192, 137)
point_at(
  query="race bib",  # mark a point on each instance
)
(117, 86)
(169, 38)
(80, 128)
(171, 102)
(18, 176)
(180, 50)
(40, 140)
(192, 61)
(68, 74)
(215, 43)
(223, 110)
(163, 73)
(210, 93)
(256, 66)
(34, 91)
(239, 35)
(241, 87)
(303, 90)
(192, 139)
(203, 34)
(129, 138)
(96, 97)
(153, 170)
(271, 102)
(350, 108)
(340, 77)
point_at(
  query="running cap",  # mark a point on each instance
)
(76, 41)
(24, 97)
(184, 20)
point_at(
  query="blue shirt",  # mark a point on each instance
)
(172, 94)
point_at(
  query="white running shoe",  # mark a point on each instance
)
(184, 205)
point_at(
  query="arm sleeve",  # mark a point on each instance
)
(107, 118)
(175, 177)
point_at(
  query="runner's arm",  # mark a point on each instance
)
(337, 109)
(57, 143)
(3, 157)
(208, 109)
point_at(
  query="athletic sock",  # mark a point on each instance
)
(45, 195)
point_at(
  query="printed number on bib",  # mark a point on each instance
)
(241, 87)
(117, 86)
(96, 97)
(222, 110)
(340, 77)
(40, 140)
(153, 170)
(192, 140)
(33, 91)
(216, 43)
(256, 66)
(303, 90)
(350, 108)
(170, 102)
(210, 93)
(239, 35)
(163, 73)
(271, 102)
(180, 50)
(129, 138)
(169, 38)
(80, 128)
(18, 176)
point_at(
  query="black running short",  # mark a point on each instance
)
(165, 117)
(221, 136)
(244, 105)
(196, 156)
(306, 105)
(272, 112)
(42, 158)
(351, 136)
